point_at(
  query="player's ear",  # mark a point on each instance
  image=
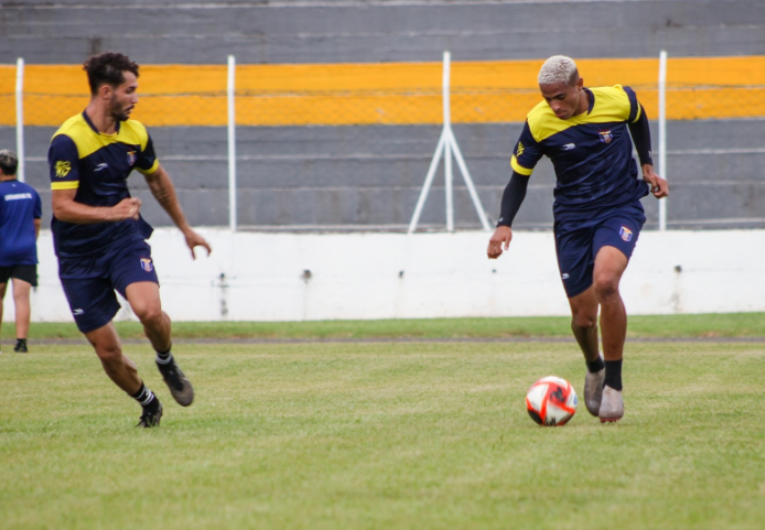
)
(105, 91)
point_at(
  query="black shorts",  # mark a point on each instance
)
(27, 273)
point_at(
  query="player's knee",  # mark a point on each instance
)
(583, 321)
(150, 314)
(109, 353)
(606, 286)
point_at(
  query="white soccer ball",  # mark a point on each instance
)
(551, 401)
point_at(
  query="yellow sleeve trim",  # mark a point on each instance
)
(519, 168)
(68, 185)
(151, 170)
(639, 110)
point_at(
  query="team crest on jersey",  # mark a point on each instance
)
(146, 264)
(520, 150)
(625, 233)
(132, 157)
(606, 136)
(63, 167)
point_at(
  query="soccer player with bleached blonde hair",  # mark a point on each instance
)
(585, 132)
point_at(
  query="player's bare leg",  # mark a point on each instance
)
(123, 372)
(584, 324)
(610, 264)
(146, 305)
(117, 366)
(21, 290)
(145, 302)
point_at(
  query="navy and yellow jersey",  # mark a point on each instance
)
(97, 165)
(591, 153)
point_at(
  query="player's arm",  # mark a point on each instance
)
(63, 160)
(37, 228)
(163, 190)
(525, 157)
(512, 198)
(66, 209)
(641, 136)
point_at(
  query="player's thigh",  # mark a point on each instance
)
(143, 298)
(573, 246)
(92, 302)
(21, 288)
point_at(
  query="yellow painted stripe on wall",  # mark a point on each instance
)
(391, 93)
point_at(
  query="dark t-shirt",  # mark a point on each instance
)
(97, 165)
(591, 153)
(20, 205)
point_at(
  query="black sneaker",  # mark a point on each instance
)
(179, 386)
(151, 416)
(21, 347)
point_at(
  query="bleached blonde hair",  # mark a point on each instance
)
(558, 69)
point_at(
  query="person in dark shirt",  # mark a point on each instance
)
(20, 212)
(585, 132)
(99, 234)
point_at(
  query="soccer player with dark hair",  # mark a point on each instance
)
(598, 215)
(20, 212)
(99, 234)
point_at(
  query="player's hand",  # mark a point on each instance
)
(659, 186)
(499, 242)
(194, 240)
(128, 208)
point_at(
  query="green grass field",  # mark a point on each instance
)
(383, 435)
(657, 326)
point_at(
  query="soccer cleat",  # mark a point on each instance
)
(593, 390)
(21, 347)
(611, 406)
(151, 416)
(179, 386)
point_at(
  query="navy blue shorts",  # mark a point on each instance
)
(578, 242)
(89, 282)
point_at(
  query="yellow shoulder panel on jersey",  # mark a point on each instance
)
(611, 104)
(88, 141)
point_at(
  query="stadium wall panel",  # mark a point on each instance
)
(262, 277)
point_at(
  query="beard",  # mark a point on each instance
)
(116, 110)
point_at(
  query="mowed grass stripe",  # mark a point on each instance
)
(383, 436)
(639, 326)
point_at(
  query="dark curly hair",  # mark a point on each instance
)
(108, 68)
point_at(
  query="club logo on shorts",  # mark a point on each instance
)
(606, 137)
(131, 158)
(146, 264)
(564, 276)
(625, 233)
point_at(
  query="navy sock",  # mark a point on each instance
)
(596, 365)
(145, 397)
(614, 374)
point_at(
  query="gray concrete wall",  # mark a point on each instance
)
(200, 31)
(370, 176)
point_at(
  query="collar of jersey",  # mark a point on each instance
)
(95, 130)
(544, 123)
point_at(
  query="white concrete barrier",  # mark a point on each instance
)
(284, 276)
